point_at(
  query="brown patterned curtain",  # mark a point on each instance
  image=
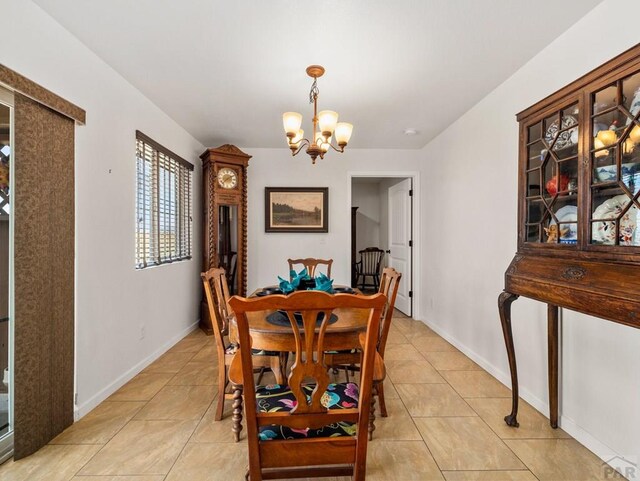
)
(43, 210)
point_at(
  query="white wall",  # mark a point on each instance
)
(113, 300)
(268, 252)
(469, 204)
(366, 196)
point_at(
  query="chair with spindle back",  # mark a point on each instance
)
(369, 266)
(310, 264)
(308, 429)
(217, 293)
(389, 283)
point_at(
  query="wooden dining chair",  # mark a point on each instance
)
(369, 266)
(304, 429)
(217, 293)
(229, 262)
(349, 360)
(310, 264)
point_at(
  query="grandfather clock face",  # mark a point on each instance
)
(227, 178)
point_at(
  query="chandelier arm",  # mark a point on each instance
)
(302, 143)
(341, 149)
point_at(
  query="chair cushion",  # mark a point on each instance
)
(232, 349)
(345, 351)
(274, 397)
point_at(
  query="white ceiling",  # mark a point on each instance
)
(226, 70)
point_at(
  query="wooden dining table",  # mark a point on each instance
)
(344, 334)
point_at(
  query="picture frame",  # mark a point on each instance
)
(296, 209)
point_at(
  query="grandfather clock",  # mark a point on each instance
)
(224, 173)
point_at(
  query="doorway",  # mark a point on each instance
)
(383, 211)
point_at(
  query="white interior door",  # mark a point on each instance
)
(400, 240)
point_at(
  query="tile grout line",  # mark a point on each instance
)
(121, 428)
(191, 435)
(477, 415)
(508, 447)
(417, 429)
(487, 424)
(197, 424)
(114, 435)
(493, 431)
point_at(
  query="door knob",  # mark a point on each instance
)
(388, 252)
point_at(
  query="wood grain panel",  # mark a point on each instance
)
(43, 209)
(30, 89)
(594, 288)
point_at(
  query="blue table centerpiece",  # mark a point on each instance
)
(302, 281)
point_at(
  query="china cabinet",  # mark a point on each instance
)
(224, 174)
(578, 207)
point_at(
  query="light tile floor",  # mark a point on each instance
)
(445, 423)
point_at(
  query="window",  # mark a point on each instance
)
(163, 204)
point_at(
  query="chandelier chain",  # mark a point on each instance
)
(313, 93)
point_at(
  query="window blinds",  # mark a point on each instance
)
(163, 204)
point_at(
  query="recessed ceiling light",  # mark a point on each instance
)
(410, 132)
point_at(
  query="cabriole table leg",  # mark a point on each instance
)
(504, 306)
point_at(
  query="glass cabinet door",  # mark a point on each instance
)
(552, 178)
(615, 164)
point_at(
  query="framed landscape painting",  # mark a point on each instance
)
(296, 209)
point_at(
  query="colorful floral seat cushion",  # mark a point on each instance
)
(232, 349)
(274, 398)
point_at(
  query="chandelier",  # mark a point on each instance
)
(325, 125)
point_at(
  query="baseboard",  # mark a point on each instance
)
(84, 408)
(621, 462)
(598, 448)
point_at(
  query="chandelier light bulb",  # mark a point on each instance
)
(634, 135)
(327, 120)
(292, 122)
(343, 133)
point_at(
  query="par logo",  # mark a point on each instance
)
(621, 467)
